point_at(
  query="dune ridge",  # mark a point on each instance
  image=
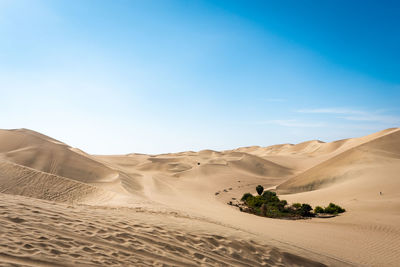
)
(306, 155)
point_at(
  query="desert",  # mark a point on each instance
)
(199, 133)
(63, 207)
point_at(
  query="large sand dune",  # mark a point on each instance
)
(350, 164)
(39, 152)
(62, 206)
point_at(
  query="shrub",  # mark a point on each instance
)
(305, 209)
(270, 196)
(281, 205)
(255, 201)
(273, 212)
(246, 196)
(268, 204)
(268, 193)
(334, 209)
(319, 209)
(296, 206)
(259, 189)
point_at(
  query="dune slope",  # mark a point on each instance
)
(52, 234)
(352, 163)
(38, 152)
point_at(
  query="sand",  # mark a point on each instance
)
(63, 207)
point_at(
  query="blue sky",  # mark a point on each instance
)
(164, 76)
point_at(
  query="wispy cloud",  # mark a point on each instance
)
(375, 118)
(355, 115)
(330, 111)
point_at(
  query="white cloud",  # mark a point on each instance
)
(330, 111)
(375, 118)
(355, 115)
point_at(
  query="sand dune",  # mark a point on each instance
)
(20, 180)
(30, 149)
(42, 153)
(63, 207)
(351, 164)
(303, 156)
(49, 234)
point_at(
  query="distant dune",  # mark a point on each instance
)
(63, 207)
(355, 162)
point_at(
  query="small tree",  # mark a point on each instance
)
(259, 189)
(318, 209)
(305, 209)
(246, 196)
(281, 205)
(270, 196)
(256, 201)
(334, 209)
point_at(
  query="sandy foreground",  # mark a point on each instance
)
(60, 206)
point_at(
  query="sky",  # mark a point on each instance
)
(116, 77)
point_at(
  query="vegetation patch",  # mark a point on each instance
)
(268, 204)
(331, 209)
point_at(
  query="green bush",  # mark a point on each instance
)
(273, 212)
(270, 196)
(268, 204)
(259, 189)
(296, 206)
(334, 209)
(319, 209)
(281, 205)
(256, 201)
(246, 196)
(305, 210)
